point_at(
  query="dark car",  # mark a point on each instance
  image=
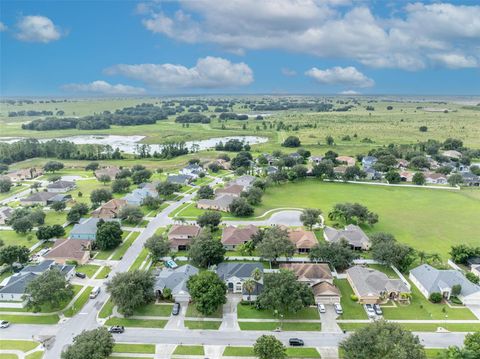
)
(117, 329)
(176, 309)
(81, 275)
(377, 309)
(296, 342)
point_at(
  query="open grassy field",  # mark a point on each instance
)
(11, 238)
(426, 219)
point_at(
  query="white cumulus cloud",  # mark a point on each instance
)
(345, 76)
(288, 72)
(3, 27)
(416, 36)
(35, 28)
(103, 87)
(209, 72)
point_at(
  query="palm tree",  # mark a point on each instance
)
(249, 285)
(434, 258)
(257, 274)
(422, 256)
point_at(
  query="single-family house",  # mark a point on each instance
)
(402, 163)
(303, 240)
(192, 170)
(372, 286)
(270, 159)
(373, 174)
(13, 287)
(235, 274)
(138, 195)
(431, 280)
(40, 198)
(234, 190)
(66, 250)
(24, 174)
(110, 171)
(349, 161)
(5, 214)
(470, 179)
(340, 170)
(175, 280)
(352, 233)
(368, 161)
(220, 203)
(86, 229)
(232, 236)
(180, 179)
(61, 186)
(110, 209)
(406, 176)
(435, 178)
(181, 236)
(296, 156)
(246, 181)
(271, 170)
(316, 159)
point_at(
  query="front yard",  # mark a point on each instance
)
(250, 312)
(351, 309)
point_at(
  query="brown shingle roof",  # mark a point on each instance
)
(325, 289)
(235, 235)
(234, 189)
(302, 238)
(110, 209)
(69, 248)
(184, 230)
(312, 272)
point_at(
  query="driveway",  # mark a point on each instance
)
(329, 320)
(177, 321)
(229, 321)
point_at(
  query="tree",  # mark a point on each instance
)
(323, 170)
(390, 252)
(247, 248)
(52, 166)
(455, 179)
(109, 235)
(240, 207)
(456, 290)
(291, 141)
(14, 254)
(310, 217)
(206, 251)
(104, 179)
(470, 350)
(275, 243)
(131, 214)
(352, 173)
(208, 291)
(472, 278)
(472, 343)
(423, 128)
(92, 166)
(76, 212)
(420, 162)
(338, 254)
(205, 192)
(435, 297)
(5, 184)
(152, 202)
(166, 189)
(121, 185)
(100, 195)
(253, 196)
(269, 347)
(462, 252)
(141, 176)
(131, 290)
(242, 159)
(58, 206)
(48, 232)
(418, 179)
(284, 294)
(158, 247)
(49, 288)
(92, 344)
(353, 212)
(329, 140)
(393, 176)
(300, 171)
(22, 225)
(384, 340)
(210, 219)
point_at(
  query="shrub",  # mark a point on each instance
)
(435, 297)
(353, 297)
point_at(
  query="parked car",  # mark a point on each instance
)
(377, 309)
(4, 324)
(117, 329)
(95, 291)
(176, 309)
(296, 342)
(80, 275)
(338, 308)
(321, 308)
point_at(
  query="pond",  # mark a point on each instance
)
(127, 144)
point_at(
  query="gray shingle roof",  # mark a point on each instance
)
(227, 270)
(352, 234)
(61, 184)
(433, 279)
(371, 282)
(175, 279)
(38, 197)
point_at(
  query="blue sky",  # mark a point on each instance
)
(98, 48)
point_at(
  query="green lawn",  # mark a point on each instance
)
(107, 309)
(286, 326)
(35, 355)
(103, 273)
(22, 345)
(385, 269)
(158, 310)
(54, 217)
(249, 311)
(423, 309)
(10, 238)
(120, 252)
(238, 352)
(102, 255)
(407, 213)
(79, 303)
(351, 309)
(193, 312)
(198, 324)
(420, 327)
(31, 319)
(434, 353)
(303, 353)
(139, 260)
(134, 348)
(139, 323)
(88, 269)
(14, 190)
(189, 350)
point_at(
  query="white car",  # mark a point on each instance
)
(4, 324)
(321, 308)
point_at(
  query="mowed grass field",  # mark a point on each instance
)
(427, 219)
